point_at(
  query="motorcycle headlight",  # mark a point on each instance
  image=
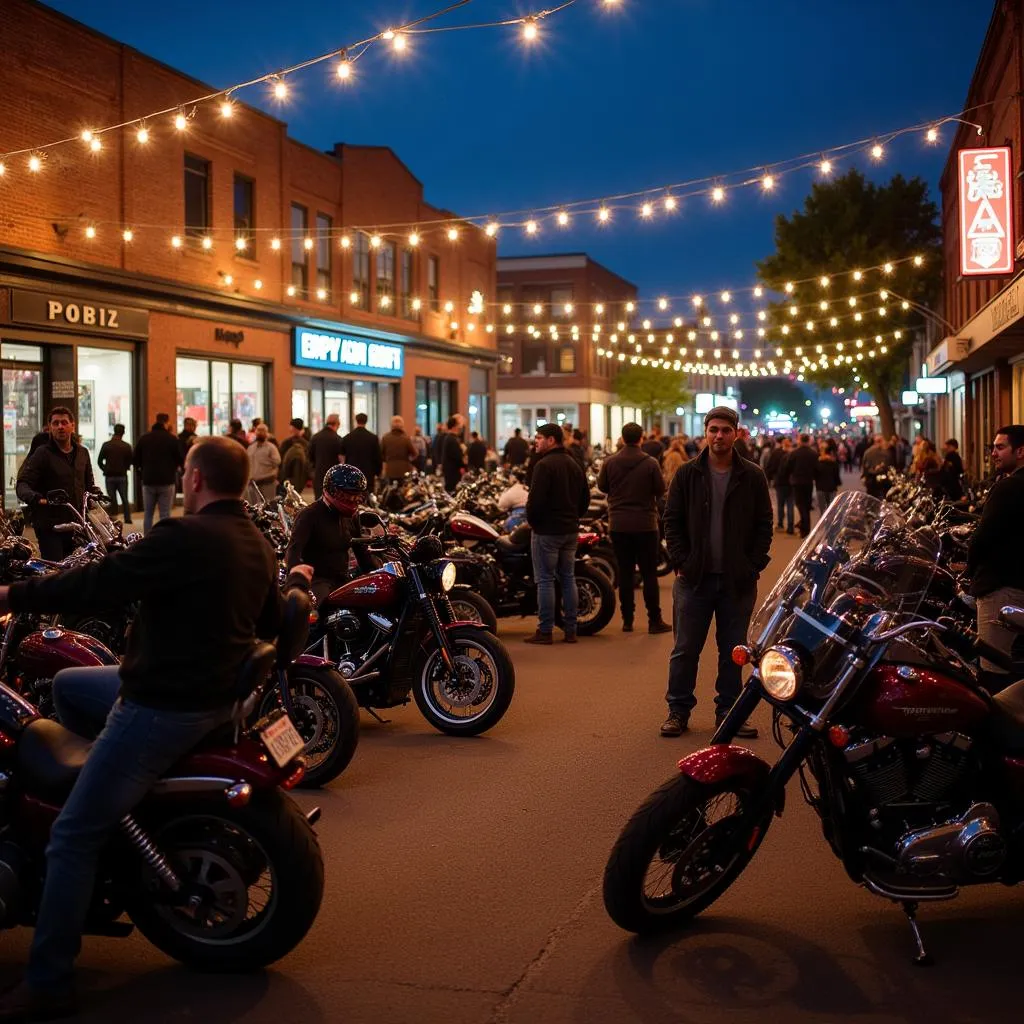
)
(781, 675)
(448, 576)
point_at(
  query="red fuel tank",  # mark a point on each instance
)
(377, 589)
(43, 655)
(905, 700)
(462, 524)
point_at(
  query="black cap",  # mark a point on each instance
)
(722, 412)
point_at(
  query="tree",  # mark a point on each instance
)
(653, 389)
(845, 225)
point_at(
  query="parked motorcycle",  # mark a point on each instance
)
(914, 769)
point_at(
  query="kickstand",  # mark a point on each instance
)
(373, 714)
(921, 957)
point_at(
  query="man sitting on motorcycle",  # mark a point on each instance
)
(323, 532)
(174, 687)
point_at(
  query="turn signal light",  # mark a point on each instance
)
(839, 736)
(741, 655)
(295, 778)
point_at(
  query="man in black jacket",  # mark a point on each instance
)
(633, 482)
(175, 685)
(325, 450)
(61, 464)
(777, 472)
(802, 465)
(158, 459)
(951, 474)
(559, 495)
(114, 461)
(517, 449)
(718, 528)
(995, 560)
(361, 448)
(453, 462)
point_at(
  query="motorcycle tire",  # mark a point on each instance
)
(602, 557)
(325, 696)
(470, 606)
(664, 823)
(237, 846)
(500, 686)
(664, 562)
(596, 604)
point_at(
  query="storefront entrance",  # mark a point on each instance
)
(316, 398)
(23, 417)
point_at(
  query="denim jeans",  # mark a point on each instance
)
(784, 496)
(554, 556)
(153, 496)
(692, 609)
(136, 746)
(118, 485)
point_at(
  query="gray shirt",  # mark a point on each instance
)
(716, 541)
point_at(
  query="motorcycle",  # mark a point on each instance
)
(392, 631)
(216, 867)
(913, 768)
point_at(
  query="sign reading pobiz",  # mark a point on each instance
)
(350, 352)
(986, 211)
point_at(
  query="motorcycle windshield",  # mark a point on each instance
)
(862, 557)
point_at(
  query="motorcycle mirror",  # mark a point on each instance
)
(57, 497)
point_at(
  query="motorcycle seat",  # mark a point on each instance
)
(51, 757)
(1008, 717)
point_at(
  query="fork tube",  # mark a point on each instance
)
(749, 698)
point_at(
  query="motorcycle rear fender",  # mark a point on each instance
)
(726, 761)
(217, 768)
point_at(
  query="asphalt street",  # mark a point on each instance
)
(463, 887)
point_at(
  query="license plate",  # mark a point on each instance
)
(282, 740)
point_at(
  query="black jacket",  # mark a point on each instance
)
(654, 448)
(324, 449)
(186, 439)
(802, 465)
(516, 450)
(748, 521)
(477, 455)
(49, 469)
(827, 476)
(361, 449)
(559, 493)
(115, 457)
(158, 457)
(633, 482)
(207, 587)
(950, 476)
(775, 461)
(322, 538)
(996, 556)
(452, 458)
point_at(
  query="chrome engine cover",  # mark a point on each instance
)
(968, 849)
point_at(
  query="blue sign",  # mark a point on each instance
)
(351, 352)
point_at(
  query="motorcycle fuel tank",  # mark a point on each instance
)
(44, 654)
(462, 524)
(906, 700)
(378, 589)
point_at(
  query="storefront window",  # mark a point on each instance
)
(213, 393)
(246, 392)
(316, 398)
(364, 400)
(220, 375)
(23, 409)
(433, 403)
(337, 400)
(104, 395)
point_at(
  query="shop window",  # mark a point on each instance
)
(506, 357)
(433, 403)
(323, 257)
(300, 254)
(364, 399)
(386, 278)
(361, 271)
(405, 285)
(245, 215)
(560, 298)
(213, 392)
(434, 283)
(197, 196)
(567, 359)
(104, 395)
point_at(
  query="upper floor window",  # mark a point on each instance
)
(434, 283)
(300, 254)
(245, 216)
(405, 284)
(361, 271)
(561, 303)
(323, 257)
(386, 277)
(197, 196)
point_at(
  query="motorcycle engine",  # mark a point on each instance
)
(345, 625)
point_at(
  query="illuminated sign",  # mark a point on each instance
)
(931, 385)
(986, 211)
(703, 403)
(861, 412)
(352, 352)
(910, 398)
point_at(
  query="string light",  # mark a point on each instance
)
(646, 210)
(227, 109)
(207, 242)
(375, 242)
(932, 135)
(604, 214)
(307, 243)
(530, 29)
(718, 194)
(257, 284)
(563, 218)
(344, 69)
(240, 244)
(670, 203)
(175, 241)
(877, 151)
(3, 169)
(35, 164)
(280, 89)
(531, 227)
(453, 234)
(353, 298)
(826, 166)
(95, 145)
(345, 242)
(417, 305)
(180, 122)
(275, 244)
(768, 182)
(142, 135)
(290, 290)
(90, 232)
(398, 43)
(127, 234)
(491, 230)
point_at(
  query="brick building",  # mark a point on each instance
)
(982, 356)
(212, 271)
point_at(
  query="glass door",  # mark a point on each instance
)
(23, 419)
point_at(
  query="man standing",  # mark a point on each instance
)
(294, 461)
(995, 560)
(777, 471)
(437, 447)
(559, 495)
(264, 462)
(325, 450)
(476, 454)
(803, 465)
(951, 474)
(633, 482)
(114, 461)
(158, 460)
(652, 446)
(875, 463)
(237, 433)
(361, 449)
(61, 464)
(452, 460)
(419, 442)
(517, 450)
(398, 451)
(187, 437)
(718, 528)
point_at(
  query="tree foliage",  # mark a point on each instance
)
(847, 224)
(653, 389)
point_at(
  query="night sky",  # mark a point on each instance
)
(609, 100)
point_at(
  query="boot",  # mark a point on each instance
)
(657, 626)
(570, 637)
(539, 638)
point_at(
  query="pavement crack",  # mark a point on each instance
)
(500, 1013)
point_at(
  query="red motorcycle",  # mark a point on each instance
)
(916, 772)
(217, 867)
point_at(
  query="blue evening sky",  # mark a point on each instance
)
(610, 99)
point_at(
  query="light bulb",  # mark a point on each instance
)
(257, 284)
(34, 163)
(877, 151)
(353, 297)
(563, 218)
(491, 230)
(630, 307)
(307, 243)
(888, 268)
(3, 170)
(453, 234)
(826, 166)
(344, 69)
(142, 136)
(857, 275)
(530, 29)
(768, 182)
(240, 244)
(823, 305)
(918, 261)
(793, 310)
(388, 34)
(414, 238)
(228, 279)
(291, 290)
(416, 305)
(345, 242)
(87, 135)
(758, 292)
(932, 135)
(90, 232)
(275, 244)
(385, 301)
(599, 309)
(538, 308)
(375, 241)
(175, 241)
(180, 122)
(718, 194)
(824, 281)
(790, 287)
(280, 90)
(207, 242)
(646, 210)
(398, 44)
(227, 109)
(670, 202)
(726, 296)
(321, 294)
(531, 227)
(95, 145)
(127, 234)
(604, 215)
(697, 301)
(449, 306)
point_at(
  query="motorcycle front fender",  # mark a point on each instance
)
(311, 661)
(726, 761)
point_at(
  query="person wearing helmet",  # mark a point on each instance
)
(323, 532)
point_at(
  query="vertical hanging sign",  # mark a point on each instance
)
(986, 212)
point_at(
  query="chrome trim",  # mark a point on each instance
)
(191, 784)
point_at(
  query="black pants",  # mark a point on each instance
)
(803, 495)
(638, 551)
(54, 547)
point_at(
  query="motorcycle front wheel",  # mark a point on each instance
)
(253, 878)
(475, 696)
(679, 852)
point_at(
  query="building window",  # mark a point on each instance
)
(434, 401)
(506, 357)
(434, 283)
(214, 392)
(405, 285)
(361, 271)
(535, 358)
(323, 257)
(245, 215)
(567, 359)
(300, 254)
(386, 278)
(560, 298)
(197, 196)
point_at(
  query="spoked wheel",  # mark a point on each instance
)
(475, 693)
(678, 853)
(596, 601)
(469, 606)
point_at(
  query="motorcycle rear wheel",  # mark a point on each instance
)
(596, 601)
(470, 606)
(678, 853)
(265, 853)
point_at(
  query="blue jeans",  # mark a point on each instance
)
(118, 485)
(692, 609)
(554, 557)
(784, 497)
(151, 497)
(136, 746)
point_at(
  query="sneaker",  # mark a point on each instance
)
(745, 732)
(659, 627)
(539, 638)
(627, 625)
(675, 725)
(24, 1003)
(570, 637)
